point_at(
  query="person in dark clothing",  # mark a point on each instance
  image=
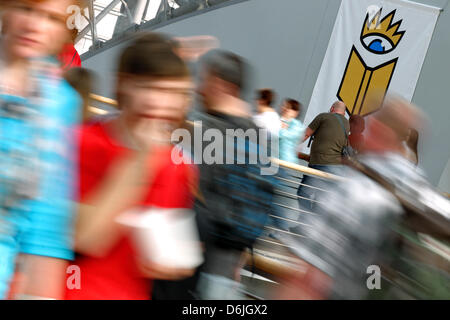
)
(330, 131)
(329, 136)
(223, 184)
(223, 80)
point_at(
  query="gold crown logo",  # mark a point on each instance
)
(378, 30)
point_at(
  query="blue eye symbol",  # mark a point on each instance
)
(377, 43)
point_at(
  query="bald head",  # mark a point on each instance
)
(338, 107)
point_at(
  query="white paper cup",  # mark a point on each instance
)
(168, 237)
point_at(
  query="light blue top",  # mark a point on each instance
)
(41, 225)
(290, 139)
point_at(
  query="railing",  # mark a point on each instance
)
(104, 100)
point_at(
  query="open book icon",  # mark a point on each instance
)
(361, 82)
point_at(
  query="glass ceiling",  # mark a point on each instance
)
(113, 17)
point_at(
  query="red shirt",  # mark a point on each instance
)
(69, 57)
(356, 141)
(115, 276)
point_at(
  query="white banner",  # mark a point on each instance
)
(375, 46)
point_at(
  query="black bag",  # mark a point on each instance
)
(347, 150)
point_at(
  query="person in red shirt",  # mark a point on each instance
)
(356, 137)
(126, 163)
(69, 56)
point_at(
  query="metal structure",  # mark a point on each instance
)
(103, 20)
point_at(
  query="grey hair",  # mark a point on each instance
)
(227, 66)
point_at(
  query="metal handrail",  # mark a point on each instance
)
(301, 184)
(294, 196)
(307, 170)
(105, 100)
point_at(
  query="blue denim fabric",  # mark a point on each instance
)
(313, 193)
(311, 188)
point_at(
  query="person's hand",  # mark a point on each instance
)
(284, 125)
(153, 132)
(152, 270)
(192, 48)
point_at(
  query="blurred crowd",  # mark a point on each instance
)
(96, 207)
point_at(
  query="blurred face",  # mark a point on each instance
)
(287, 112)
(291, 114)
(155, 99)
(33, 29)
